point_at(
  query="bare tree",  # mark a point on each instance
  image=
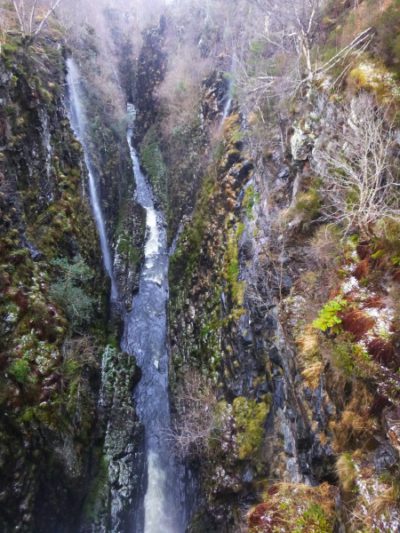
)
(359, 184)
(290, 32)
(196, 423)
(32, 15)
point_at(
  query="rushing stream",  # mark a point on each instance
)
(145, 338)
(79, 122)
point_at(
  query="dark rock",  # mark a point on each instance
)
(284, 173)
(275, 356)
(385, 457)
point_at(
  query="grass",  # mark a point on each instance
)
(346, 472)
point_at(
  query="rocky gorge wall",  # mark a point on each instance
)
(302, 433)
(68, 426)
(283, 327)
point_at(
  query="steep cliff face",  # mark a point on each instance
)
(57, 404)
(105, 106)
(283, 316)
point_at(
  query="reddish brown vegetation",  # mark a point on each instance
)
(364, 250)
(374, 302)
(382, 351)
(379, 404)
(265, 519)
(357, 323)
(362, 269)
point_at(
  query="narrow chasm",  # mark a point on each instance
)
(199, 266)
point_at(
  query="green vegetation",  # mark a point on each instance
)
(250, 200)
(328, 317)
(69, 292)
(346, 471)
(97, 492)
(154, 165)
(249, 419)
(20, 370)
(313, 520)
(232, 269)
(350, 357)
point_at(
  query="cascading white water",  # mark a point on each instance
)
(78, 121)
(145, 338)
(228, 103)
(229, 95)
(46, 139)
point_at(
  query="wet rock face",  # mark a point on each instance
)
(45, 216)
(68, 431)
(129, 250)
(113, 489)
(150, 72)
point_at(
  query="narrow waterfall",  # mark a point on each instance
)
(228, 102)
(229, 93)
(145, 338)
(79, 121)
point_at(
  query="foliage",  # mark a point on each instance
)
(20, 370)
(250, 200)
(308, 204)
(326, 246)
(68, 291)
(328, 317)
(232, 269)
(249, 418)
(295, 507)
(313, 520)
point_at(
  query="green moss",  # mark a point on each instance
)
(187, 255)
(249, 418)
(250, 200)
(153, 163)
(232, 269)
(95, 499)
(20, 370)
(313, 520)
(126, 248)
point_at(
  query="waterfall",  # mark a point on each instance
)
(228, 102)
(79, 121)
(229, 92)
(145, 337)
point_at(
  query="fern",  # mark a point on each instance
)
(328, 317)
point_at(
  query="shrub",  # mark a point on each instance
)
(196, 423)
(325, 245)
(69, 293)
(358, 170)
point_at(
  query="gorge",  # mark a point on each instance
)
(199, 266)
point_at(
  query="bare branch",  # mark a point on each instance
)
(359, 179)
